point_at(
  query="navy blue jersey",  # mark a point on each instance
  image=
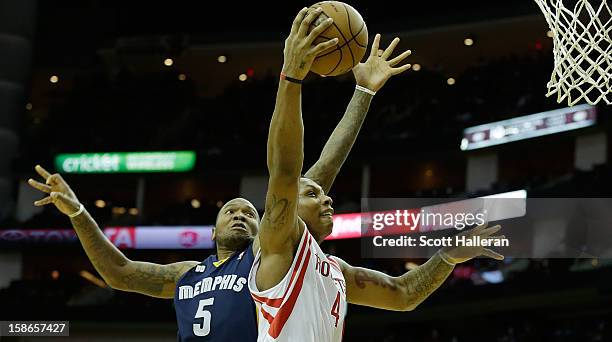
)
(213, 302)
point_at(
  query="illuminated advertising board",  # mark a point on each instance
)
(530, 126)
(125, 162)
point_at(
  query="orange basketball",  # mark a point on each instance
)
(352, 34)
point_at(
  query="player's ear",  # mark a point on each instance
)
(213, 234)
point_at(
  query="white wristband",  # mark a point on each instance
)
(441, 254)
(79, 212)
(365, 90)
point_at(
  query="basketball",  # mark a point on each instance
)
(352, 33)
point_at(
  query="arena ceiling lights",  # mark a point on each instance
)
(530, 126)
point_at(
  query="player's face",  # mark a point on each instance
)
(315, 208)
(237, 224)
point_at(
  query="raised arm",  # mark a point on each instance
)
(404, 293)
(339, 144)
(372, 75)
(116, 269)
(279, 231)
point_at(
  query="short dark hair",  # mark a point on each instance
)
(219, 212)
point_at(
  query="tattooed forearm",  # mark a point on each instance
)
(277, 210)
(121, 273)
(337, 148)
(150, 278)
(419, 283)
(364, 279)
(105, 257)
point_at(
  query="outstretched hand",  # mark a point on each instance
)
(377, 69)
(59, 192)
(459, 254)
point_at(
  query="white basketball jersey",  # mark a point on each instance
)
(309, 304)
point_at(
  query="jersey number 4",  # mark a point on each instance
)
(336, 308)
(203, 329)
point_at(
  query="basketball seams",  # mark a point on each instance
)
(343, 45)
(341, 54)
(354, 35)
(325, 58)
(341, 33)
(356, 41)
(348, 19)
(337, 48)
(338, 63)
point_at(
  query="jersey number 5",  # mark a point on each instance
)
(204, 328)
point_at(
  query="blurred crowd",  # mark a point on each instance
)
(414, 117)
(135, 111)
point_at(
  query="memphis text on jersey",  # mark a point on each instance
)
(230, 282)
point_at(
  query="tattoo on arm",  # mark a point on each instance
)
(151, 278)
(101, 252)
(341, 141)
(278, 210)
(408, 290)
(121, 273)
(362, 279)
(424, 280)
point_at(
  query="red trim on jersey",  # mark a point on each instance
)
(265, 300)
(284, 312)
(334, 263)
(267, 316)
(276, 302)
(331, 258)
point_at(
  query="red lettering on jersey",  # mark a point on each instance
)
(322, 266)
(325, 268)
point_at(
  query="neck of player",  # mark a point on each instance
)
(223, 253)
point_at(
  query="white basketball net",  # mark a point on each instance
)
(582, 48)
